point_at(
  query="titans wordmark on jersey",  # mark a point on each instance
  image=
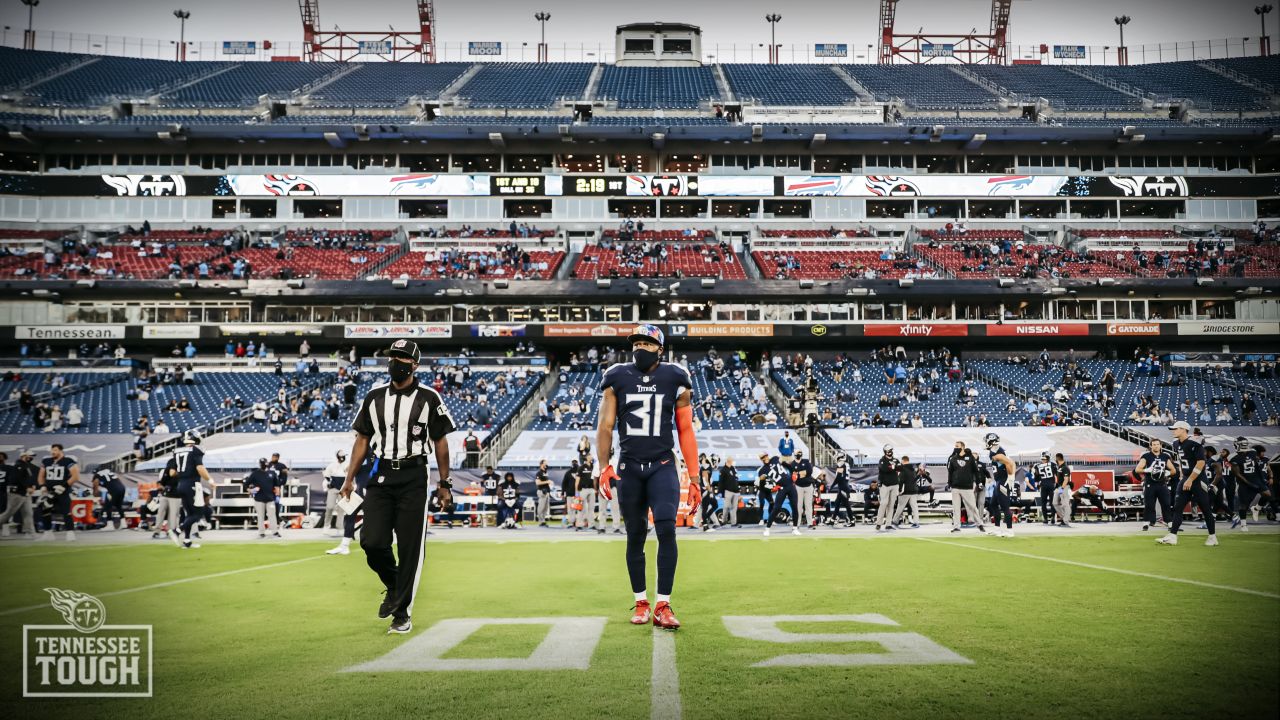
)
(646, 408)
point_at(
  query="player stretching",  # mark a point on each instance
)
(648, 394)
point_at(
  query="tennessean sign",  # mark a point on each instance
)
(69, 332)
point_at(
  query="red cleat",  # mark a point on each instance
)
(664, 618)
(642, 614)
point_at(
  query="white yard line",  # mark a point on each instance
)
(171, 583)
(1091, 566)
(664, 698)
(66, 551)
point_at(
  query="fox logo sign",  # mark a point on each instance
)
(85, 657)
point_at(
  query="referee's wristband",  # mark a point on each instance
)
(445, 483)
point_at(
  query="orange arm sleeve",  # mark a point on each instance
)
(688, 443)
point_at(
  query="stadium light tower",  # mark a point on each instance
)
(773, 19)
(29, 40)
(1122, 52)
(1264, 42)
(542, 18)
(182, 15)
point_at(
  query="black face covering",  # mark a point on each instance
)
(645, 359)
(400, 371)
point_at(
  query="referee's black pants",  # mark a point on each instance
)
(398, 505)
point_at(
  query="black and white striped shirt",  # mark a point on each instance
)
(399, 423)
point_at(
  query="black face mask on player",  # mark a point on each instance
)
(400, 371)
(645, 359)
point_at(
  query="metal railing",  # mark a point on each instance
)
(497, 444)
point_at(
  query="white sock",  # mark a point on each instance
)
(642, 595)
(346, 542)
(664, 599)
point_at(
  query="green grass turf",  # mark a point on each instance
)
(1046, 639)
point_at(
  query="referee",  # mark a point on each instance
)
(398, 423)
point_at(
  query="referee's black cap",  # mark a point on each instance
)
(406, 349)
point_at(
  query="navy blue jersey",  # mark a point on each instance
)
(999, 472)
(262, 484)
(769, 475)
(1187, 453)
(888, 470)
(109, 480)
(57, 472)
(646, 408)
(1159, 467)
(803, 470)
(15, 479)
(840, 483)
(509, 492)
(1042, 474)
(183, 465)
(1251, 469)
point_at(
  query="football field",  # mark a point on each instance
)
(926, 626)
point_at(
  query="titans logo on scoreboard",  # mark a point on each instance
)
(85, 657)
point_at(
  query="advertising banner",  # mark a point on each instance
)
(397, 330)
(1133, 328)
(1104, 480)
(662, 185)
(1037, 329)
(417, 184)
(916, 330)
(69, 332)
(1228, 327)
(714, 330)
(170, 332)
(593, 330)
(736, 186)
(559, 447)
(497, 331)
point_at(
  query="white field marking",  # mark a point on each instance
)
(68, 551)
(664, 686)
(170, 583)
(569, 644)
(903, 648)
(1091, 566)
(1236, 539)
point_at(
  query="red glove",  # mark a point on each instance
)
(607, 476)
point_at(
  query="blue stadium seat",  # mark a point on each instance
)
(922, 86)
(526, 85)
(657, 87)
(244, 84)
(108, 78)
(1188, 80)
(1063, 89)
(784, 85)
(19, 67)
(387, 84)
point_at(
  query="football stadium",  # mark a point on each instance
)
(538, 360)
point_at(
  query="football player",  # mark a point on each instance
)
(58, 473)
(784, 491)
(647, 400)
(509, 502)
(186, 470)
(1189, 462)
(841, 508)
(1155, 467)
(1250, 478)
(106, 480)
(1042, 475)
(1003, 475)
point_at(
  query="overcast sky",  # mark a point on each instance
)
(1068, 22)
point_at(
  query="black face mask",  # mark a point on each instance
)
(645, 359)
(400, 371)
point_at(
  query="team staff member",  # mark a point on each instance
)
(18, 486)
(908, 498)
(264, 484)
(647, 400)
(105, 480)
(1042, 475)
(962, 472)
(399, 423)
(1247, 472)
(542, 485)
(57, 474)
(766, 480)
(590, 514)
(569, 487)
(728, 482)
(888, 480)
(1063, 490)
(1155, 467)
(802, 470)
(1189, 461)
(334, 475)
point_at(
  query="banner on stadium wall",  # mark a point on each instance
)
(90, 450)
(1156, 186)
(1127, 243)
(1037, 329)
(397, 330)
(861, 115)
(831, 50)
(484, 48)
(375, 47)
(170, 332)
(239, 47)
(559, 447)
(1069, 52)
(417, 184)
(592, 330)
(662, 185)
(931, 50)
(271, 329)
(1132, 328)
(1228, 327)
(917, 330)
(69, 332)
(1104, 480)
(239, 451)
(715, 330)
(1023, 444)
(497, 331)
(736, 185)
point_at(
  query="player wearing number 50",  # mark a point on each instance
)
(645, 399)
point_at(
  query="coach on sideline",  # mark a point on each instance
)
(394, 423)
